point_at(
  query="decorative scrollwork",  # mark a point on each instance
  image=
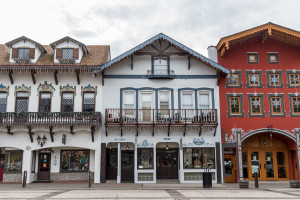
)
(23, 88)
(88, 88)
(68, 88)
(4, 88)
(46, 88)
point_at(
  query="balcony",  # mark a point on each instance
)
(160, 74)
(161, 117)
(9, 119)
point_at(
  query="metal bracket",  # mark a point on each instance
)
(215, 130)
(33, 72)
(72, 130)
(77, 76)
(51, 133)
(8, 131)
(184, 130)
(30, 134)
(121, 130)
(10, 72)
(200, 131)
(93, 132)
(55, 72)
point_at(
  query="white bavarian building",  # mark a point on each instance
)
(50, 110)
(160, 102)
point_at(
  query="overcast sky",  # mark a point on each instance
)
(124, 24)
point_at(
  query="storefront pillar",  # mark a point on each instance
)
(119, 163)
(97, 165)
(26, 165)
(239, 155)
(298, 151)
(181, 174)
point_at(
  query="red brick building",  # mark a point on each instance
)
(260, 103)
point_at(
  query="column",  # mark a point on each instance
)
(26, 165)
(240, 162)
(119, 163)
(181, 174)
(298, 151)
(154, 163)
(97, 165)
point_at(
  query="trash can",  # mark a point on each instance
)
(207, 179)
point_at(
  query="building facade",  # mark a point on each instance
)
(260, 103)
(50, 110)
(161, 109)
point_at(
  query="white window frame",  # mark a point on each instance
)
(152, 98)
(134, 98)
(193, 98)
(205, 92)
(164, 91)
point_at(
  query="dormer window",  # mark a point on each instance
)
(23, 53)
(67, 53)
(160, 68)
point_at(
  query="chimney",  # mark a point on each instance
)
(213, 53)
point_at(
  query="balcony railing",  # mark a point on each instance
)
(160, 73)
(48, 119)
(161, 116)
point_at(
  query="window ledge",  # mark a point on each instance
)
(163, 74)
(66, 60)
(22, 60)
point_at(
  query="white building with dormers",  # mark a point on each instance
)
(50, 110)
(160, 107)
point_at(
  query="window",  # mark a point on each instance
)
(145, 158)
(75, 160)
(160, 65)
(273, 57)
(13, 161)
(22, 102)
(129, 100)
(203, 101)
(274, 80)
(23, 53)
(233, 79)
(164, 100)
(45, 102)
(67, 103)
(67, 53)
(187, 101)
(276, 105)
(252, 57)
(296, 105)
(255, 105)
(253, 79)
(3, 101)
(294, 79)
(88, 102)
(235, 107)
(199, 158)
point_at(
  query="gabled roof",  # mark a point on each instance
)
(23, 38)
(164, 37)
(67, 38)
(268, 30)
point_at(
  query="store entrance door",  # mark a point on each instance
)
(111, 164)
(167, 163)
(44, 167)
(230, 166)
(127, 166)
(2, 158)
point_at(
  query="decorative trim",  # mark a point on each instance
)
(68, 88)
(273, 54)
(288, 72)
(249, 54)
(195, 90)
(46, 88)
(280, 77)
(88, 88)
(23, 88)
(4, 89)
(286, 133)
(239, 73)
(263, 114)
(283, 114)
(291, 105)
(173, 76)
(259, 72)
(146, 88)
(242, 114)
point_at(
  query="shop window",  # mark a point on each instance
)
(67, 103)
(245, 165)
(45, 102)
(3, 101)
(273, 58)
(145, 158)
(199, 158)
(74, 160)
(88, 102)
(22, 101)
(294, 79)
(235, 105)
(13, 161)
(255, 105)
(252, 57)
(296, 105)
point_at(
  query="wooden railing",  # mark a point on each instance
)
(160, 116)
(52, 118)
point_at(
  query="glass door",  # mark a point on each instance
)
(281, 157)
(146, 107)
(255, 164)
(269, 165)
(229, 165)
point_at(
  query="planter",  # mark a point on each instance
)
(244, 184)
(295, 183)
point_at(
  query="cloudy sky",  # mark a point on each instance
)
(124, 24)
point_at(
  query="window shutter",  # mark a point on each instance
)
(58, 53)
(14, 53)
(31, 53)
(75, 53)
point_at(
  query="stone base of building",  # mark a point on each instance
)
(12, 178)
(70, 176)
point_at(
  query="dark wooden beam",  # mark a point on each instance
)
(33, 72)
(137, 130)
(30, 134)
(215, 130)
(77, 76)
(184, 130)
(200, 131)
(105, 131)
(71, 130)
(189, 64)
(264, 37)
(8, 130)
(103, 78)
(51, 133)
(92, 133)
(10, 72)
(166, 48)
(155, 48)
(218, 78)
(131, 57)
(160, 54)
(121, 130)
(55, 72)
